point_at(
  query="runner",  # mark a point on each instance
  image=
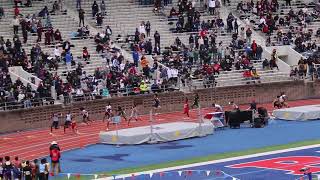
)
(235, 107)
(68, 121)
(134, 113)
(85, 116)
(156, 104)
(217, 107)
(74, 126)
(122, 113)
(55, 121)
(276, 103)
(196, 101)
(283, 100)
(186, 107)
(107, 114)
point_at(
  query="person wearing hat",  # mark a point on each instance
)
(55, 157)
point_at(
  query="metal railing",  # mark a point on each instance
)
(25, 104)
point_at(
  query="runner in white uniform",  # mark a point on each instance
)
(217, 107)
(68, 121)
(108, 111)
(85, 116)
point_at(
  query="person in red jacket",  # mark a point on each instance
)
(85, 54)
(16, 11)
(55, 157)
(254, 47)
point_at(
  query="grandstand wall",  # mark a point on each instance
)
(39, 117)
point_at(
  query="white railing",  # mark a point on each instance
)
(17, 72)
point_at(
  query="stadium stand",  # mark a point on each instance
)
(96, 58)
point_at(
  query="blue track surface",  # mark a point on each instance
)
(242, 174)
(102, 158)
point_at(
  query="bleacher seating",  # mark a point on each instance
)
(123, 17)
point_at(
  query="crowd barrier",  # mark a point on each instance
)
(39, 117)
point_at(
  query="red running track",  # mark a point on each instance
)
(35, 143)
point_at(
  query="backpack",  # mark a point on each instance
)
(55, 155)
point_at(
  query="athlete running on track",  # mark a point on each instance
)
(108, 111)
(156, 104)
(134, 113)
(186, 107)
(68, 121)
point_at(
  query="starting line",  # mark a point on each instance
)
(202, 166)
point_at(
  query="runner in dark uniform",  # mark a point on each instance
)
(122, 113)
(276, 103)
(196, 101)
(55, 121)
(156, 103)
(85, 116)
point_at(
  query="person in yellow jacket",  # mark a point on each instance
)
(144, 87)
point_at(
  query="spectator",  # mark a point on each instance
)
(44, 12)
(156, 39)
(143, 87)
(55, 159)
(7, 168)
(55, 7)
(39, 31)
(1, 12)
(68, 59)
(248, 35)
(95, 8)
(57, 36)
(28, 3)
(135, 56)
(78, 6)
(148, 28)
(85, 54)
(17, 11)
(212, 6)
(43, 170)
(99, 19)
(103, 8)
(108, 31)
(81, 15)
(27, 171)
(16, 24)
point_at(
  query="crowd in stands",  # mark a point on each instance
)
(203, 58)
(284, 23)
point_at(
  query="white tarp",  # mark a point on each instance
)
(160, 133)
(301, 113)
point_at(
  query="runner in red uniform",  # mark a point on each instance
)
(74, 126)
(186, 107)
